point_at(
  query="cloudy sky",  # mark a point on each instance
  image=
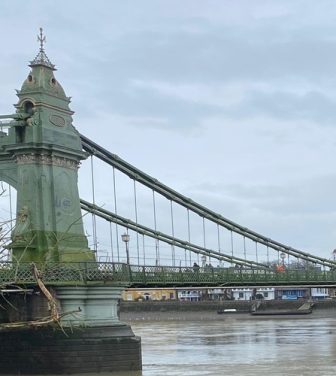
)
(231, 103)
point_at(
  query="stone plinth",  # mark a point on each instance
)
(83, 350)
(90, 341)
(98, 305)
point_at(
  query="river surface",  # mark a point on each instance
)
(239, 345)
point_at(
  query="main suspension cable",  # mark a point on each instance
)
(171, 194)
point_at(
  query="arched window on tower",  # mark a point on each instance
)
(28, 107)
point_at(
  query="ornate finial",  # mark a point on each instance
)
(41, 58)
(42, 39)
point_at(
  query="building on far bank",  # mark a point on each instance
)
(219, 293)
(247, 293)
(319, 293)
(189, 295)
(148, 294)
(292, 293)
(332, 292)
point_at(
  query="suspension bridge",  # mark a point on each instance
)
(64, 261)
(211, 250)
(189, 263)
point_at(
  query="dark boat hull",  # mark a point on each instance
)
(282, 313)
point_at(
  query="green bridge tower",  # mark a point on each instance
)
(40, 156)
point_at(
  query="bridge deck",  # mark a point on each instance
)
(121, 274)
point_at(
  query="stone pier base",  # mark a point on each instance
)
(90, 338)
(83, 350)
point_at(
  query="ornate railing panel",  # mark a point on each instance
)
(132, 275)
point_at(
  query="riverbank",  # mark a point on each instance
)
(207, 310)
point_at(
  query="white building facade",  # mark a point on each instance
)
(319, 293)
(189, 295)
(266, 293)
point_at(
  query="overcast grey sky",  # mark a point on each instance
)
(232, 103)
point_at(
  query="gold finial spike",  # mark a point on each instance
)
(42, 39)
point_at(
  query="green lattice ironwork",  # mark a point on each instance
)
(85, 273)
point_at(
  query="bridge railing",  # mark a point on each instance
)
(120, 273)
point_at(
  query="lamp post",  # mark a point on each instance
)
(126, 238)
(283, 256)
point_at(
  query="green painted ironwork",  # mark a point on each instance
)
(168, 239)
(152, 183)
(39, 157)
(92, 273)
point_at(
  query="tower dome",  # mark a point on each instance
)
(41, 78)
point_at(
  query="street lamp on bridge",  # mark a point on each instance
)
(126, 238)
(334, 254)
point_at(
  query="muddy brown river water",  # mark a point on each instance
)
(239, 345)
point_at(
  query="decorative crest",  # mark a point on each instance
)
(41, 58)
(42, 39)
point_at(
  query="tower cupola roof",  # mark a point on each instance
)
(41, 58)
(41, 79)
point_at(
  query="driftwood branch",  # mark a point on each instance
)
(35, 323)
(54, 318)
